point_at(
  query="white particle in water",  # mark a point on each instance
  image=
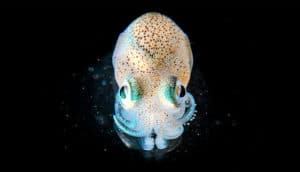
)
(91, 69)
(67, 115)
(103, 82)
(96, 76)
(100, 119)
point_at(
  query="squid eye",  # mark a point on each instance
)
(180, 91)
(123, 92)
(173, 91)
(129, 93)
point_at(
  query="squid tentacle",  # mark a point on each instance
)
(128, 130)
(175, 134)
(147, 143)
(189, 114)
(121, 119)
(161, 143)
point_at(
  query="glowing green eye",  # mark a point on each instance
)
(129, 93)
(135, 91)
(173, 90)
(169, 93)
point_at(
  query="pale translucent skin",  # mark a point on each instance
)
(152, 53)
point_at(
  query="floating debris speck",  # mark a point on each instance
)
(218, 122)
(67, 116)
(103, 82)
(91, 69)
(96, 76)
(100, 119)
(229, 115)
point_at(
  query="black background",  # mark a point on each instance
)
(241, 53)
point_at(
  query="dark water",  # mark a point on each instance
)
(65, 60)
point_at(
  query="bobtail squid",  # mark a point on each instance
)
(152, 63)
